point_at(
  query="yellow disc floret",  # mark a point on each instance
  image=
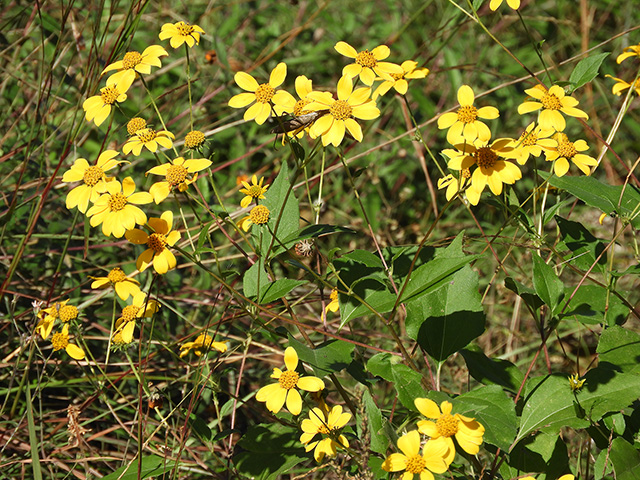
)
(68, 312)
(136, 124)
(109, 94)
(157, 242)
(289, 379)
(92, 175)
(117, 201)
(264, 93)
(259, 215)
(341, 110)
(176, 174)
(116, 275)
(131, 59)
(447, 425)
(467, 114)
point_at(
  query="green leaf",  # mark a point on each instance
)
(366, 258)
(620, 348)
(546, 283)
(494, 410)
(151, 466)
(376, 425)
(593, 305)
(584, 247)
(448, 319)
(407, 382)
(586, 70)
(492, 371)
(328, 357)
(200, 428)
(543, 452)
(255, 278)
(625, 459)
(278, 289)
(527, 294)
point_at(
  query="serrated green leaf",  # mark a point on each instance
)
(620, 348)
(328, 357)
(492, 371)
(151, 466)
(586, 70)
(546, 283)
(278, 289)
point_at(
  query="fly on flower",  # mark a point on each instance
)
(298, 123)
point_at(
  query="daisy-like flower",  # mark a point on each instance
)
(463, 124)
(515, 4)
(277, 394)
(93, 178)
(532, 142)
(627, 52)
(575, 383)
(341, 112)
(254, 191)
(258, 215)
(433, 458)
(367, 63)
(467, 431)
(304, 86)
(181, 32)
(98, 107)
(333, 305)
(58, 311)
(264, 97)
(178, 174)
(569, 151)
(134, 63)
(492, 166)
(135, 124)
(194, 140)
(399, 82)
(621, 86)
(123, 285)
(116, 210)
(140, 307)
(148, 137)
(60, 341)
(553, 103)
(454, 185)
(202, 344)
(327, 426)
(157, 242)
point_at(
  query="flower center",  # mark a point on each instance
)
(59, 341)
(551, 102)
(397, 76)
(264, 93)
(340, 110)
(118, 339)
(467, 114)
(561, 138)
(136, 124)
(289, 379)
(92, 175)
(566, 149)
(117, 202)
(485, 157)
(109, 94)
(194, 139)
(528, 139)
(366, 59)
(259, 215)
(129, 313)
(254, 191)
(466, 173)
(130, 60)
(184, 28)
(176, 174)
(447, 425)
(157, 242)
(146, 135)
(68, 312)
(323, 429)
(298, 109)
(55, 310)
(416, 464)
(116, 275)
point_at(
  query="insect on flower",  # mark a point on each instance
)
(296, 124)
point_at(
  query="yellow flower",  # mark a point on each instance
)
(621, 86)
(565, 151)
(333, 305)
(253, 191)
(575, 383)
(491, 163)
(631, 51)
(116, 210)
(194, 140)
(264, 95)
(463, 124)
(148, 137)
(93, 177)
(123, 285)
(276, 394)
(399, 82)
(433, 458)
(135, 124)
(134, 63)
(552, 102)
(98, 107)
(453, 185)
(181, 32)
(304, 86)
(177, 175)
(58, 311)
(515, 4)
(258, 215)
(367, 63)
(532, 142)
(202, 344)
(157, 242)
(468, 431)
(60, 341)
(125, 325)
(341, 112)
(328, 427)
